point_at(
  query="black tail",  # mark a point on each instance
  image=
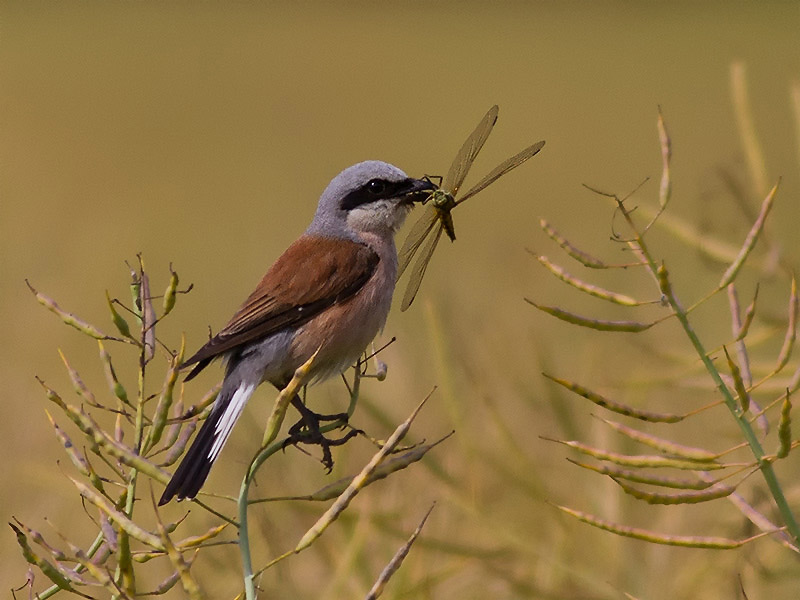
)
(193, 470)
(196, 464)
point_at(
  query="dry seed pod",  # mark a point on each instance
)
(582, 257)
(662, 445)
(665, 189)
(751, 239)
(644, 460)
(785, 427)
(617, 407)
(738, 382)
(67, 317)
(717, 543)
(598, 324)
(587, 288)
(688, 497)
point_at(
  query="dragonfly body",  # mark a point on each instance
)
(444, 203)
(437, 215)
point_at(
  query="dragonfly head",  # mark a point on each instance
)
(442, 200)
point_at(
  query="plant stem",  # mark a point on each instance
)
(268, 450)
(244, 536)
(739, 416)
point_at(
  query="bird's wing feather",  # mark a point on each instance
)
(313, 274)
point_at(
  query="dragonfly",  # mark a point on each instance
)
(436, 218)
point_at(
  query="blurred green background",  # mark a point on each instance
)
(202, 135)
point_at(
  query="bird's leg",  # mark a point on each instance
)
(310, 420)
(307, 431)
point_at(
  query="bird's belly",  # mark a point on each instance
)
(341, 332)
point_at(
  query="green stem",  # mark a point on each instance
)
(244, 536)
(741, 419)
(258, 460)
(124, 572)
(739, 416)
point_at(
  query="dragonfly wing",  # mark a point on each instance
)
(503, 168)
(416, 236)
(419, 268)
(469, 150)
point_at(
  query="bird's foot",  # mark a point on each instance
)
(307, 431)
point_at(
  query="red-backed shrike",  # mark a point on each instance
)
(330, 290)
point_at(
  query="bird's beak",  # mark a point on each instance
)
(417, 190)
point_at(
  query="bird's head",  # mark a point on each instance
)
(371, 196)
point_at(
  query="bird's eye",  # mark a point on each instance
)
(376, 187)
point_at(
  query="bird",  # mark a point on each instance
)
(330, 291)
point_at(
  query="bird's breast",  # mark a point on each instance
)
(342, 331)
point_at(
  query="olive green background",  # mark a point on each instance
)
(202, 135)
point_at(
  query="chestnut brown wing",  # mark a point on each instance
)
(313, 274)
